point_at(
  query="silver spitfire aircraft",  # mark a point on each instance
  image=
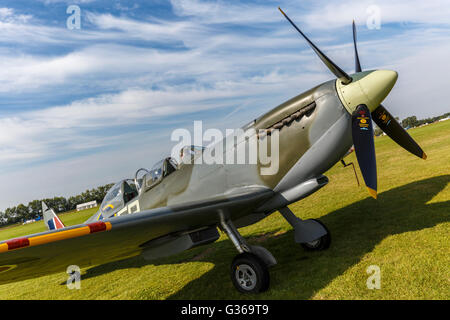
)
(174, 207)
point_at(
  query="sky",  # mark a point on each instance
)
(82, 107)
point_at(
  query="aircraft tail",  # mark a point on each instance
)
(52, 221)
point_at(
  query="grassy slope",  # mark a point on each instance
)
(405, 232)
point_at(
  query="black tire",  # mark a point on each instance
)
(322, 243)
(249, 273)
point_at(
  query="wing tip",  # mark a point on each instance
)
(424, 156)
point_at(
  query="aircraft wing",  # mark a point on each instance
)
(116, 238)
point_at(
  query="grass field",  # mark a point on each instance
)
(405, 233)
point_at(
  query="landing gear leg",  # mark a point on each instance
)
(311, 234)
(249, 270)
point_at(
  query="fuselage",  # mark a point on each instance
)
(286, 150)
(313, 134)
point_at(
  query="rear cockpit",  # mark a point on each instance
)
(155, 175)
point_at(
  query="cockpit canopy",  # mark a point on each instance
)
(117, 197)
(163, 168)
(156, 174)
(125, 190)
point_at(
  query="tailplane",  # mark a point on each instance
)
(51, 219)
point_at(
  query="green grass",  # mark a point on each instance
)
(405, 232)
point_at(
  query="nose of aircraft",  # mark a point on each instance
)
(369, 88)
(377, 85)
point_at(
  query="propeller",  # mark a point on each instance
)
(334, 68)
(362, 129)
(386, 122)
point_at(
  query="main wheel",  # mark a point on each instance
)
(249, 273)
(322, 243)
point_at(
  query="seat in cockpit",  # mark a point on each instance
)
(169, 166)
(129, 192)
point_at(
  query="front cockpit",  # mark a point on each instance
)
(117, 198)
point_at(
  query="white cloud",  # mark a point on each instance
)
(326, 15)
(159, 30)
(198, 65)
(7, 15)
(49, 2)
(225, 12)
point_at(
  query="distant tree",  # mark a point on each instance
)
(59, 204)
(101, 192)
(79, 199)
(22, 212)
(49, 202)
(9, 214)
(86, 196)
(410, 122)
(377, 131)
(71, 203)
(35, 208)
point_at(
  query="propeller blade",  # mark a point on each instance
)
(357, 63)
(362, 134)
(338, 72)
(395, 131)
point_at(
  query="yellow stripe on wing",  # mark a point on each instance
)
(3, 247)
(60, 235)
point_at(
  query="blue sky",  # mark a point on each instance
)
(81, 108)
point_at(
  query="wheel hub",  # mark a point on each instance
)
(246, 276)
(314, 243)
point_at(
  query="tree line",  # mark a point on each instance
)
(412, 121)
(33, 210)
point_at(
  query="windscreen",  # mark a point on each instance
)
(157, 170)
(113, 200)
